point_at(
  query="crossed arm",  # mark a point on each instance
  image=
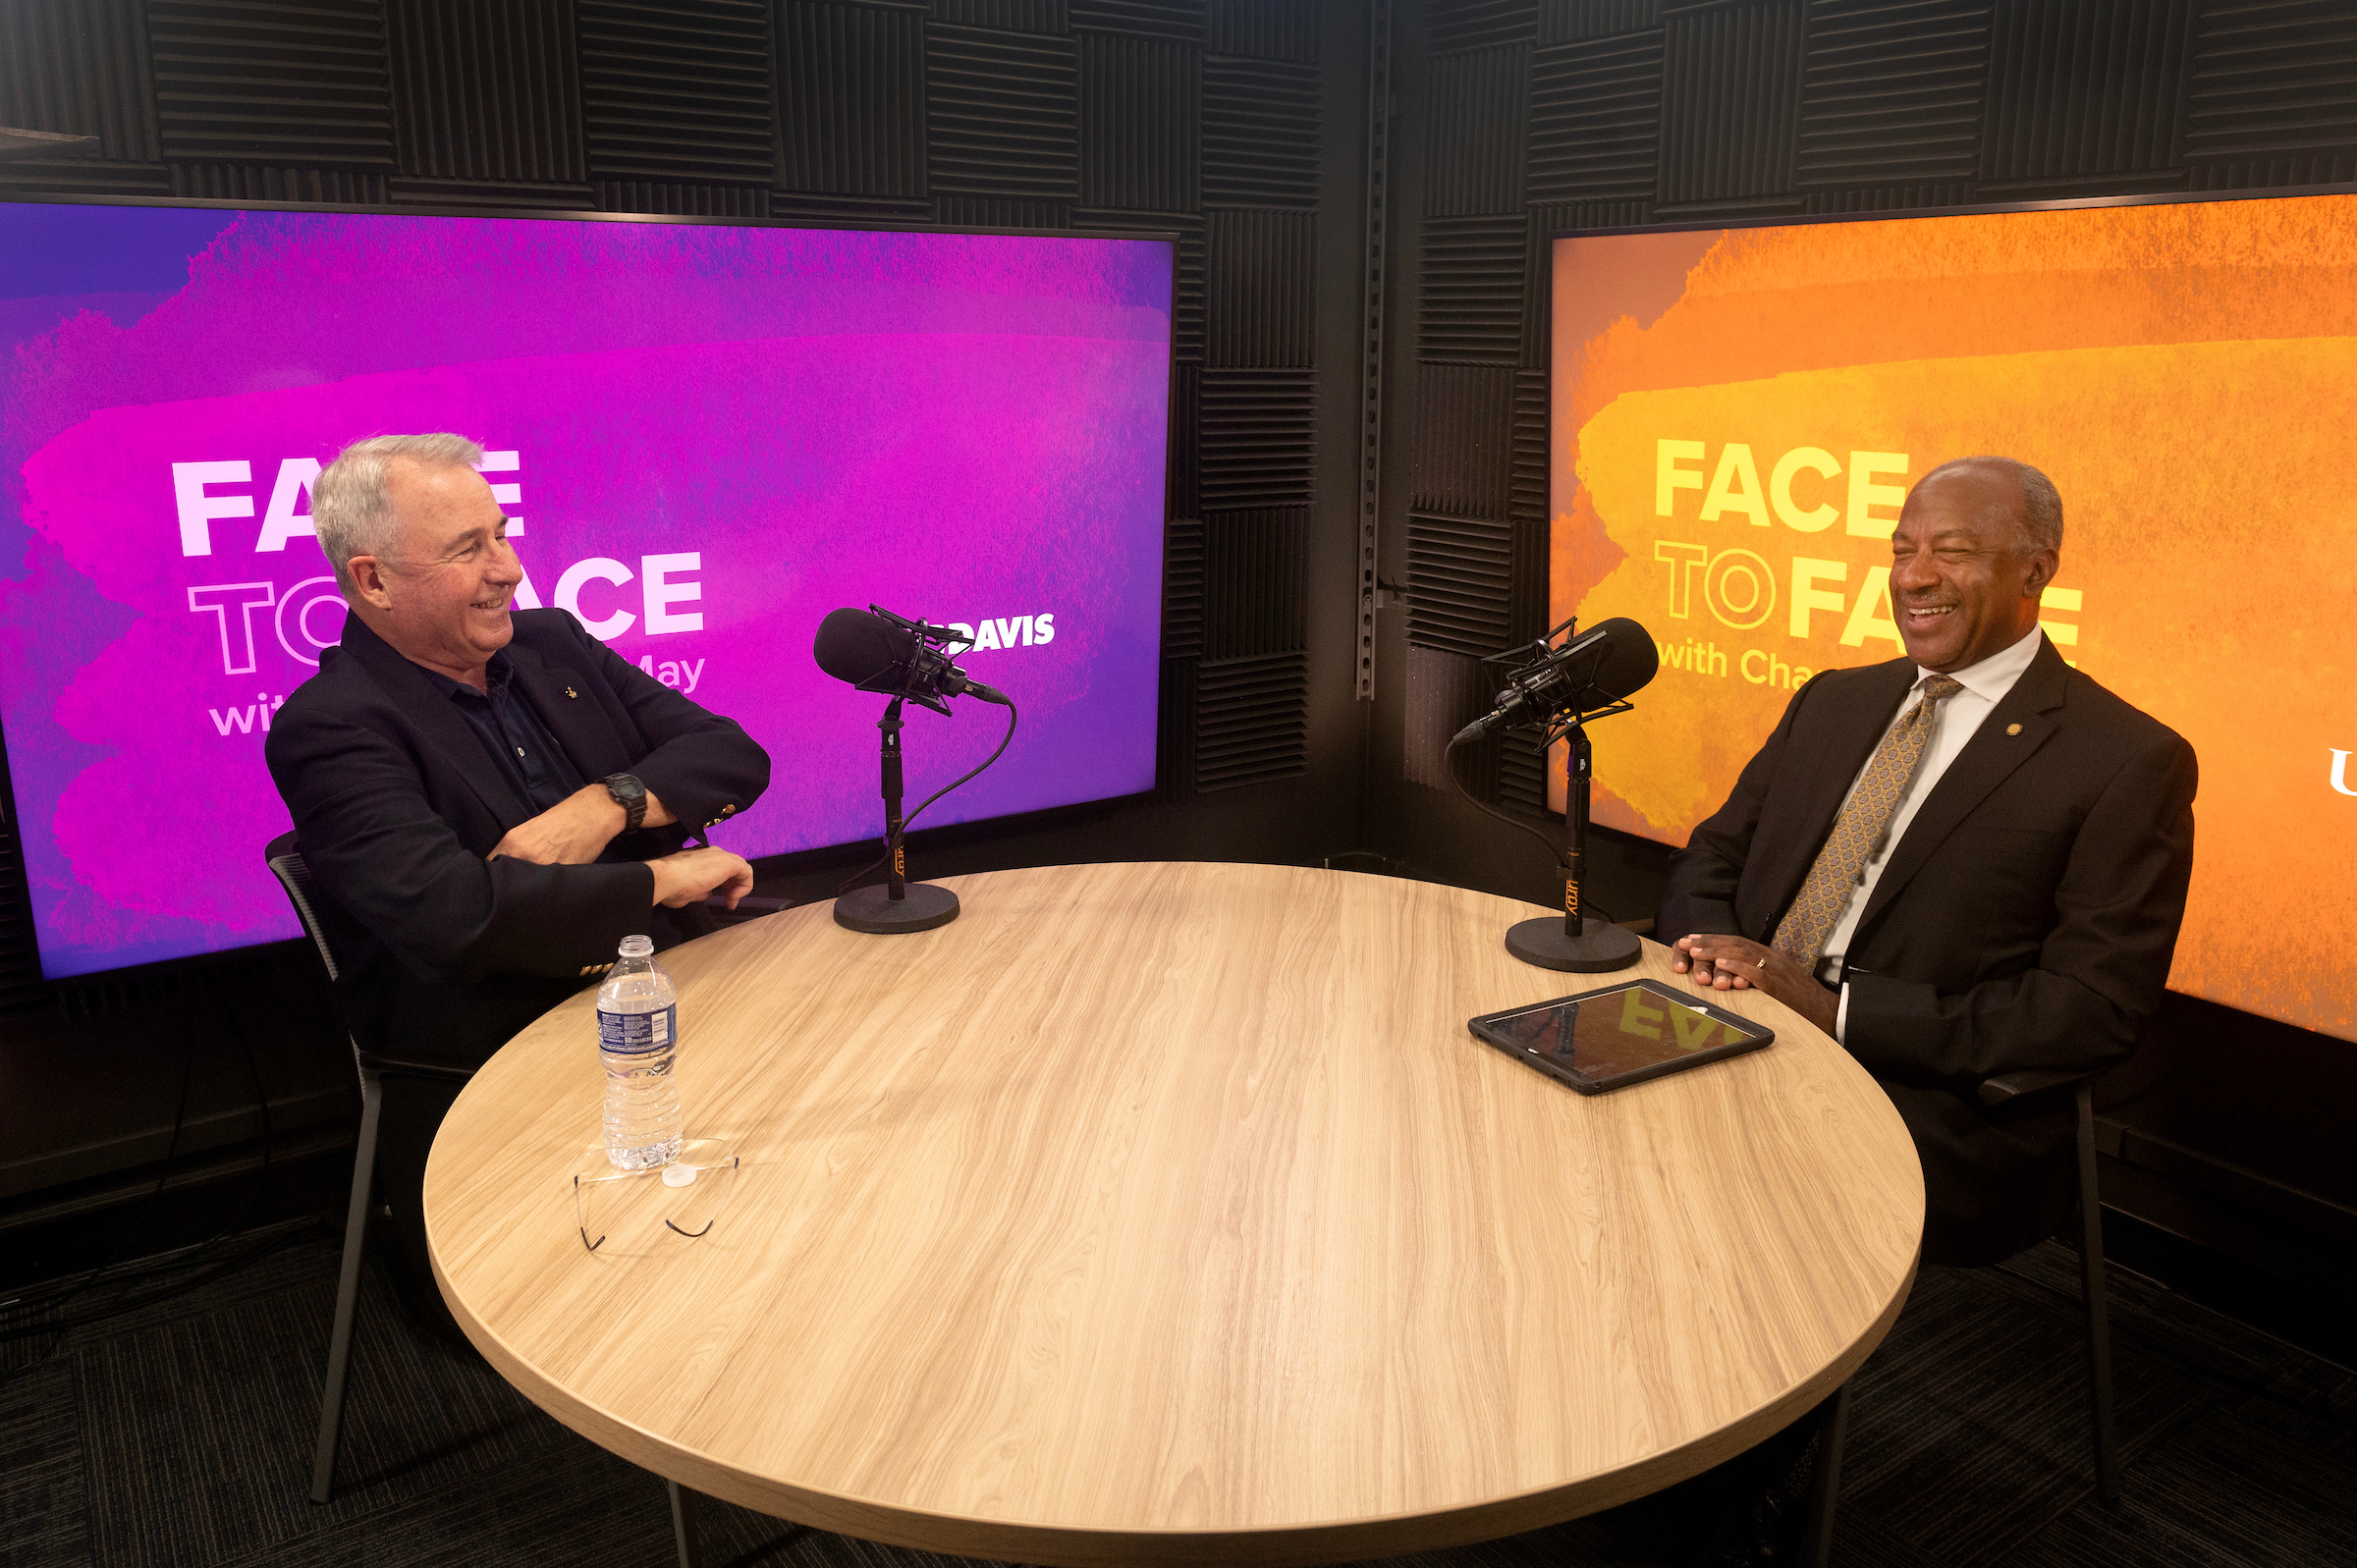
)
(575, 831)
(539, 903)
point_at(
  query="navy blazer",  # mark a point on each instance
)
(396, 803)
(2027, 918)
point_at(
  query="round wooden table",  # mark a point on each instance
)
(1169, 1212)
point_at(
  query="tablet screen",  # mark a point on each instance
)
(1620, 1031)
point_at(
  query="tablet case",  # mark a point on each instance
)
(1490, 1027)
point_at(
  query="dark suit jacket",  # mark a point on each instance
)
(2026, 920)
(396, 803)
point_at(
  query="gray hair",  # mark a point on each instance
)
(350, 510)
(2040, 520)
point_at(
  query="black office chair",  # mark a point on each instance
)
(1827, 1484)
(287, 865)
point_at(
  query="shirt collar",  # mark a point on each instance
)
(1995, 676)
(497, 672)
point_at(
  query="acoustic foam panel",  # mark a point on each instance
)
(677, 92)
(852, 101)
(1260, 134)
(1596, 119)
(271, 83)
(1892, 89)
(487, 93)
(1141, 125)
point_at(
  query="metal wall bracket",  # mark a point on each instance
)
(1370, 431)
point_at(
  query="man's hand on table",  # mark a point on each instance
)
(575, 830)
(683, 878)
(1735, 963)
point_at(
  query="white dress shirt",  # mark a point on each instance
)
(1954, 723)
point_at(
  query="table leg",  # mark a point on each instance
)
(1825, 1488)
(683, 1526)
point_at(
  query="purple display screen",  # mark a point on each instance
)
(707, 436)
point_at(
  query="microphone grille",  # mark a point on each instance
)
(854, 647)
(1627, 658)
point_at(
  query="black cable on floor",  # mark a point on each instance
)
(177, 1258)
(64, 1290)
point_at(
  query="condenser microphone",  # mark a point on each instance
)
(876, 650)
(1595, 669)
(907, 661)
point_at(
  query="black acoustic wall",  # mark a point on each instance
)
(1517, 118)
(1233, 124)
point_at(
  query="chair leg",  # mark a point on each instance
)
(1824, 1488)
(2090, 1286)
(683, 1526)
(348, 1291)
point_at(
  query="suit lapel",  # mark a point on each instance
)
(1843, 741)
(578, 722)
(1985, 762)
(445, 730)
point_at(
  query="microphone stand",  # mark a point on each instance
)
(899, 905)
(1575, 942)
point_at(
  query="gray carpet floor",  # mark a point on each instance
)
(180, 1433)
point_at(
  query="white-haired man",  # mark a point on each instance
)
(489, 801)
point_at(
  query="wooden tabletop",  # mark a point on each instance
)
(1169, 1212)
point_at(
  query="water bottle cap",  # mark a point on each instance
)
(637, 947)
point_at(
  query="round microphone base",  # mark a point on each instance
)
(876, 911)
(1598, 948)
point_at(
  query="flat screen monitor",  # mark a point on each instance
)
(1738, 413)
(707, 436)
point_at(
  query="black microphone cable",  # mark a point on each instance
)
(909, 821)
(1562, 856)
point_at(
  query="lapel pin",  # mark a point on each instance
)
(570, 692)
(2012, 729)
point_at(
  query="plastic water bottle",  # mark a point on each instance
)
(637, 1039)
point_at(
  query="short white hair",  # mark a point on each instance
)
(350, 510)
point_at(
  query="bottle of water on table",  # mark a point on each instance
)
(637, 1039)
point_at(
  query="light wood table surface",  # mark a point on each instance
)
(1170, 1214)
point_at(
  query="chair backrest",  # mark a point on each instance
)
(287, 865)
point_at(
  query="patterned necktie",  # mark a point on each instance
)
(1858, 832)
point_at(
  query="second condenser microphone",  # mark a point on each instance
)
(1601, 664)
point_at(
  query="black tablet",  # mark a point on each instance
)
(1623, 1034)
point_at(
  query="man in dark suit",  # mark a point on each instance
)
(1961, 864)
(489, 801)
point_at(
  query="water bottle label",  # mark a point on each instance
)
(631, 1034)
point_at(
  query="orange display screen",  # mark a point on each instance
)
(1737, 414)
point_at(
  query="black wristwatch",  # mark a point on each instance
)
(629, 794)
